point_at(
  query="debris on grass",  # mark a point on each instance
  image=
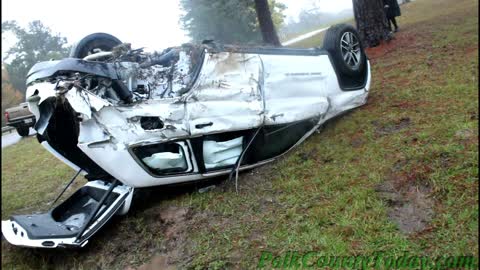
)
(206, 189)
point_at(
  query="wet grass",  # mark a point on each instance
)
(30, 177)
(419, 129)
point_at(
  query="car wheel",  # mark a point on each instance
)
(23, 131)
(86, 45)
(343, 44)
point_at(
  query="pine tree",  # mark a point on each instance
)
(265, 21)
(372, 23)
(227, 21)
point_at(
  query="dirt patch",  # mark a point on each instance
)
(411, 210)
(174, 222)
(471, 50)
(392, 127)
(159, 262)
(380, 50)
(409, 104)
(400, 40)
(357, 140)
(466, 136)
(408, 196)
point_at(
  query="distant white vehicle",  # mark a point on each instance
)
(127, 119)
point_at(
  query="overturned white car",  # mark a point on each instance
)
(128, 119)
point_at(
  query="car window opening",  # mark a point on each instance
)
(165, 158)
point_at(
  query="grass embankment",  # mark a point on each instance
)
(399, 174)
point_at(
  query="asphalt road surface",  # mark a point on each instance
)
(12, 137)
(304, 36)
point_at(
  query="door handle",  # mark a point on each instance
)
(199, 126)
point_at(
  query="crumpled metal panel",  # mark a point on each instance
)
(296, 87)
(123, 123)
(226, 96)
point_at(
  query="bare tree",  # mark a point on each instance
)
(266, 23)
(372, 23)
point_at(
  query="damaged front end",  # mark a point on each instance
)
(89, 112)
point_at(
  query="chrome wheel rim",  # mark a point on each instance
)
(350, 48)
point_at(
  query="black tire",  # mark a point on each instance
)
(85, 46)
(337, 44)
(23, 131)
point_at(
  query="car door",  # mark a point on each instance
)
(226, 96)
(295, 87)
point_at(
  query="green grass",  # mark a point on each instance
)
(30, 176)
(321, 196)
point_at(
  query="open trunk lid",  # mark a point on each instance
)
(70, 224)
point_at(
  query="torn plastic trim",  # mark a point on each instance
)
(83, 101)
(47, 69)
(42, 99)
(46, 110)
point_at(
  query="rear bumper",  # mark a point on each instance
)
(28, 121)
(26, 234)
(17, 235)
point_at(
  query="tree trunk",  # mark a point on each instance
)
(372, 23)
(266, 24)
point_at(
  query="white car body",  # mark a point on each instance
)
(234, 91)
(209, 110)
